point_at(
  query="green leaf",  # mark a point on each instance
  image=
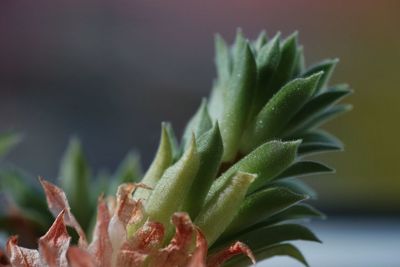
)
(172, 189)
(198, 124)
(299, 64)
(222, 60)
(267, 62)
(270, 235)
(210, 150)
(266, 162)
(304, 168)
(8, 141)
(238, 99)
(220, 211)
(261, 40)
(129, 170)
(286, 65)
(269, 252)
(161, 162)
(318, 136)
(74, 178)
(260, 205)
(313, 107)
(272, 119)
(16, 185)
(176, 151)
(296, 186)
(323, 117)
(296, 212)
(327, 66)
(314, 148)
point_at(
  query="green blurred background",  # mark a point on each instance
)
(110, 71)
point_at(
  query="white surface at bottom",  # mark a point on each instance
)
(359, 242)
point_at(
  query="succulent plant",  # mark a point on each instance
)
(230, 188)
(26, 213)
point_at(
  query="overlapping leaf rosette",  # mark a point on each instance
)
(230, 188)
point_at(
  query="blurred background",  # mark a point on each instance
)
(110, 71)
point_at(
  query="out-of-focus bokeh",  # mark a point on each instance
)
(111, 71)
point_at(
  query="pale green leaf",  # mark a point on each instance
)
(162, 160)
(220, 211)
(198, 124)
(210, 150)
(8, 141)
(74, 178)
(267, 161)
(286, 65)
(237, 101)
(173, 187)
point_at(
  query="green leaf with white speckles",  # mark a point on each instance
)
(173, 187)
(238, 98)
(272, 119)
(220, 211)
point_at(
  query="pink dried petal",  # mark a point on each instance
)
(128, 210)
(54, 244)
(21, 257)
(100, 247)
(144, 243)
(219, 258)
(198, 258)
(177, 252)
(78, 257)
(57, 202)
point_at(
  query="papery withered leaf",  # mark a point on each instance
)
(53, 246)
(58, 203)
(238, 248)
